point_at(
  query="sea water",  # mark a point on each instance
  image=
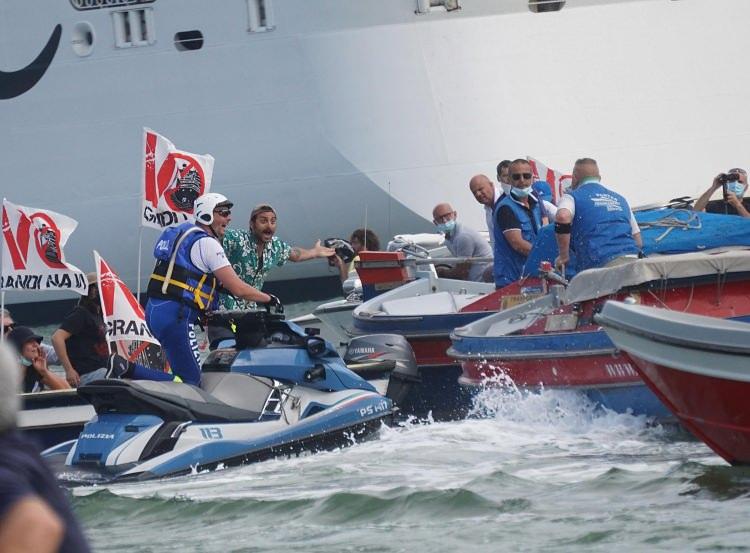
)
(545, 472)
(541, 472)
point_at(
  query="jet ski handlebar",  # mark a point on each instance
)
(231, 318)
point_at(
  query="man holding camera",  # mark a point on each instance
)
(734, 185)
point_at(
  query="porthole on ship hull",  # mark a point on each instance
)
(82, 38)
(539, 6)
(188, 40)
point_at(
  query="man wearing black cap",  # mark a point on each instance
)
(254, 252)
(35, 359)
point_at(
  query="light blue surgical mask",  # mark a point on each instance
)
(520, 193)
(25, 362)
(736, 188)
(506, 188)
(447, 227)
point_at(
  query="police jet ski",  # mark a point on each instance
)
(278, 392)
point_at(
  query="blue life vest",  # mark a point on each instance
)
(185, 282)
(508, 263)
(601, 226)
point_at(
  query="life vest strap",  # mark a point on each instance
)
(173, 257)
(196, 291)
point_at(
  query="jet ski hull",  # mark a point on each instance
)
(119, 447)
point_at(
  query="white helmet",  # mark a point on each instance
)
(204, 206)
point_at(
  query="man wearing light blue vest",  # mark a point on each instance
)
(517, 219)
(596, 222)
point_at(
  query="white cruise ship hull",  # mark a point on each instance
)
(352, 113)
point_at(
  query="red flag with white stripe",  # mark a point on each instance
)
(121, 312)
(557, 181)
(125, 320)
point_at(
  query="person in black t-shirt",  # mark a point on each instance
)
(734, 186)
(34, 513)
(80, 342)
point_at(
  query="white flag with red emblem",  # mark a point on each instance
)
(172, 180)
(558, 182)
(122, 314)
(32, 251)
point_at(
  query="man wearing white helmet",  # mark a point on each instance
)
(190, 268)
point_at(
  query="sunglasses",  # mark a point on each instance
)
(223, 212)
(519, 176)
(7, 328)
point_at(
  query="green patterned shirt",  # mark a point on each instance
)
(241, 247)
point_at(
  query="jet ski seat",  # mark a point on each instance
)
(173, 401)
(237, 389)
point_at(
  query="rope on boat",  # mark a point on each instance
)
(673, 220)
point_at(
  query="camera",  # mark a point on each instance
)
(343, 248)
(728, 177)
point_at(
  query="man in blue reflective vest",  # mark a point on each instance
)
(190, 268)
(596, 222)
(517, 219)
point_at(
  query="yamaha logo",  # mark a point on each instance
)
(360, 350)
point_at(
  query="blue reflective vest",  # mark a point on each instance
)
(508, 263)
(542, 190)
(601, 226)
(184, 281)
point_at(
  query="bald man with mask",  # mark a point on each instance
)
(461, 241)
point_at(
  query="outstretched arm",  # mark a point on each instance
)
(318, 250)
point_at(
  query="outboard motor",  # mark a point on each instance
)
(389, 356)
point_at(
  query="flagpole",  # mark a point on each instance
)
(98, 263)
(365, 237)
(2, 310)
(2, 292)
(140, 246)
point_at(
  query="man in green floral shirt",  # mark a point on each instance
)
(255, 252)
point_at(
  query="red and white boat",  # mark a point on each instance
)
(698, 366)
(555, 342)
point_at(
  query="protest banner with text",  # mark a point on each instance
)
(172, 180)
(32, 251)
(124, 318)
